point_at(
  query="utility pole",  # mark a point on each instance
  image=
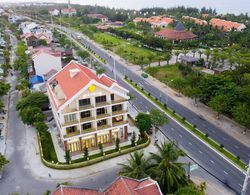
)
(244, 188)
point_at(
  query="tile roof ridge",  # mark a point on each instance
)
(80, 69)
(126, 185)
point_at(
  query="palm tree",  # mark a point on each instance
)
(177, 53)
(207, 53)
(137, 166)
(165, 169)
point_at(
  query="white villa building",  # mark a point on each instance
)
(88, 109)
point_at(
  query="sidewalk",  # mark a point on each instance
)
(224, 123)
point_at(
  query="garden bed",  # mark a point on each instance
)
(96, 158)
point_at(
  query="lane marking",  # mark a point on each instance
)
(236, 146)
(180, 135)
(240, 185)
(200, 152)
(225, 172)
(190, 143)
(212, 161)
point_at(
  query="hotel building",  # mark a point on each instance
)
(88, 109)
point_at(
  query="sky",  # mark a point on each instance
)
(222, 6)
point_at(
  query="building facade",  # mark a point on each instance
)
(88, 109)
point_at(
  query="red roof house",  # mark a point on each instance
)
(121, 186)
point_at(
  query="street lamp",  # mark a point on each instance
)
(167, 85)
(114, 67)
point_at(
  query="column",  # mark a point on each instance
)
(126, 132)
(110, 136)
(96, 140)
(65, 145)
(80, 140)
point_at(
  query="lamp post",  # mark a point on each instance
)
(114, 67)
(167, 85)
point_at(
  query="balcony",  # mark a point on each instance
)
(72, 134)
(102, 104)
(86, 107)
(69, 110)
(119, 112)
(102, 116)
(70, 123)
(119, 123)
(88, 130)
(117, 101)
(87, 119)
(103, 127)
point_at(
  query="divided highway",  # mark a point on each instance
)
(195, 148)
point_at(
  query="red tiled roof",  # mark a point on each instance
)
(71, 85)
(175, 35)
(226, 25)
(69, 10)
(67, 190)
(121, 186)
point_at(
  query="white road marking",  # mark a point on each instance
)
(224, 138)
(236, 146)
(200, 152)
(240, 185)
(190, 143)
(212, 161)
(225, 172)
(180, 135)
(172, 128)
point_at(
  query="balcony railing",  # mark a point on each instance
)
(117, 101)
(87, 119)
(88, 130)
(119, 112)
(119, 123)
(72, 134)
(102, 116)
(70, 123)
(86, 107)
(69, 110)
(102, 104)
(103, 127)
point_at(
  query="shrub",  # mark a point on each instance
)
(86, 153)
(183, 118)
(126, 77)
(100, 148)
(221, 146)
(117, 144)
(238, 157)
(207, 135)
(165, 106)
(149, 94)
(194, 126)
(173, 111)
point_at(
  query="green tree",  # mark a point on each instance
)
(4, 88)
(137, 166)
(143, 122)
(3, 161)
(179, 84)
(1, 106)
(165, 169)
(40, 126)
(82, 54)
(86, 152)
(36, 99)
(133, 138)
(219, 103)
(67, 156)
(30, 115)
(177, 53)
(158, 118)
(241, 113)
(207, 53)
(193, 92)
(188, 190)
(6, 55)
(117, 144)
(101, 148)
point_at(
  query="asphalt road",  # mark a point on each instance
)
(231, 144)
(205, 156)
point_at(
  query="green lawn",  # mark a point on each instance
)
(126, 49)
(165, 73)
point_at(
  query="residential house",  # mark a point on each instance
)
(88, 109)
(13, 19)
(226, 26)
(68, 12)
(155, 21)
(121, 186)
(176, 35)
(101, 17)
(44, 59)
(54, 12)
(196, 20)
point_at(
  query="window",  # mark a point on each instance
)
(117, 107)
(71, 129)
(84, 102)
(85, 114)
(86, 126)
(100, 99)
(100, 111)
(112, 97)
(69, 118)
(101, 122)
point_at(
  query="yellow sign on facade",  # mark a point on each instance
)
(92, 88)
